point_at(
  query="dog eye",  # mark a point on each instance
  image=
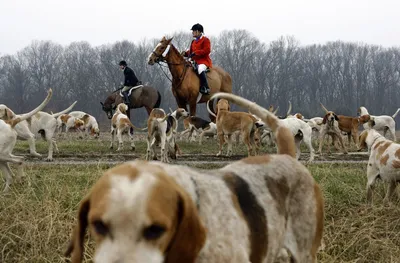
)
(100, 228)
(153, 232)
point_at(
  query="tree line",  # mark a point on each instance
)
(341, 75)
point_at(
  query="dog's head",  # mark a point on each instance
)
(181, 113)
(223, 104)
(95, 132)
(6, 113)
(299, 116)
(137, 213)
(123, 108)
(364, 118)
(330, 116)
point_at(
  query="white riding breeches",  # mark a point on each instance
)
(201, 68)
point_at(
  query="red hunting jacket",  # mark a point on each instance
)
(202, 48)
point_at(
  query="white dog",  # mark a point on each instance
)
(8, 138)
(383, 163)
(383, 123)
(162, 130)
(121, 124)
(91, 126)
(42, 122)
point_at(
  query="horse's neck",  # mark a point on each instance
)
(176, 64)
(110, 99)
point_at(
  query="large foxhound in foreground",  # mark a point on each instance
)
(252, 210)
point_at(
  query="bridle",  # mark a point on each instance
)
(162, 58)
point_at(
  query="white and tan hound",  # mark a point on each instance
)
(8, 138)
(383, 163)
(383, 123)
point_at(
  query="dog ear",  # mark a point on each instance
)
(184, 247)
(75, 247)
(325, 119)
(336, 117)
(8, 114)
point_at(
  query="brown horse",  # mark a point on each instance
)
(145, 96)
(185, 82)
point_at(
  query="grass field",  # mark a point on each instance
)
(37, 216)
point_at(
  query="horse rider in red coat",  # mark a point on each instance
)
(199, 51)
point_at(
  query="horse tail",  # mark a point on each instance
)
(158, 102)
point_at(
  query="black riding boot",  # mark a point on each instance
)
(204, 89)
(126, 98)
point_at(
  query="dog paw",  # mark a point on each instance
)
(36, 154)
(49, 159)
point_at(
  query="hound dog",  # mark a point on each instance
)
(8, 138)
(155, 212)
(121, 124)
(383, 163)
(382, 123)
(200, 126)
(90, 123)
(194, 124)
(315, 124)
(162, 131)
(69, 122)
(229, 122)
(41, 123)
(330, 127)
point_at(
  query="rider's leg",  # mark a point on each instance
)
(125, 92)
(203, 79)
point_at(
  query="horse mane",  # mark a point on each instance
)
(110, 99)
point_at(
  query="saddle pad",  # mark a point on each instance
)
(131, 90)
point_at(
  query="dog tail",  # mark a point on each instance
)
(284, 137)
(209, 109)
(136, 128)
(289, 109)
(26, 116)
(55, 115)
(395, 114)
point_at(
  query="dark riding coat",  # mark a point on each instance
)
(130, 78)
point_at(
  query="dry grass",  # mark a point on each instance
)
(37, 216)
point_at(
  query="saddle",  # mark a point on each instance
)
(131, 90)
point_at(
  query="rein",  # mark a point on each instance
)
(161, 58)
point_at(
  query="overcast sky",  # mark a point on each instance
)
(104, 21)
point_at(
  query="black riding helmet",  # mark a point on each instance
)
(123, 63)
(198, 27)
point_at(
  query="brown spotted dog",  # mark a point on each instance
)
(155, 212)
(121, 124)
(69, 122)
(330, 127)
(162, 130)
(383, 163)
(195, 124)
(229, 122)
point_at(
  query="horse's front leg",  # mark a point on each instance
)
(192, 107)
(181, 104)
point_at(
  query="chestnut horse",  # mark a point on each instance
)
(145, 96)
(185, 82)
